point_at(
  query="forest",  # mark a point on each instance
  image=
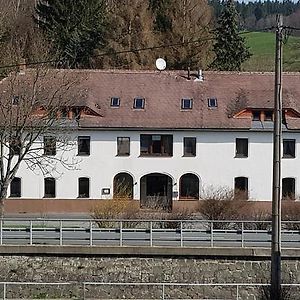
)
(127, 34)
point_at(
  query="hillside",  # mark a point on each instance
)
(262, 46)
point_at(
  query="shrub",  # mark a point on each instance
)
(291, 212)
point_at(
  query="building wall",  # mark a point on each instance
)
(215, 164)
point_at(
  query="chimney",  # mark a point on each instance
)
(189, 73)
(200, 76)
(22, 66)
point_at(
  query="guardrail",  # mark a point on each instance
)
(175, 233)
(161, 290)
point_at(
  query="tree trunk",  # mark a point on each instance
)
(3, 196)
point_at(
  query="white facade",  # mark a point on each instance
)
(215, 163)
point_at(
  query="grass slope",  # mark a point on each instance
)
(262, 46)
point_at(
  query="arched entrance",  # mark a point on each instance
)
(189, 186)
(123, 186)
(156, 191)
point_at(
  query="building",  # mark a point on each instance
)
(170, 135)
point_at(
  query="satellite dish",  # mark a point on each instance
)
(160, 64)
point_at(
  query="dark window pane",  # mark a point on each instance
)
(123, 186)
(189, 146)
(145, 143)
(83, 187)
(241, 187)
(123, 144)
(115, 102)
(268, 116)
(49, 185)
(156, 145)
(288, 188)
(289, 148)
(84, 145)
(189, 186)
(256, 116)
(241, 148)
(212, 102)
(49, 145)
(15, 187)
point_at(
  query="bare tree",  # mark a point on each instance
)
(31, 108)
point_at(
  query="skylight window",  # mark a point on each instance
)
(139, 103)
(212, 102)
(115, 102)
(186, 103)
(15, 100)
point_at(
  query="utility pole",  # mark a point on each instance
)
(276, 188)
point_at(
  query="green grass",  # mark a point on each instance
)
(262, 46)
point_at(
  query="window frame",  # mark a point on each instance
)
(240, 154)
(112, 99)
(183, 101)
(83, 195)
(83, 153)
(126, 153)
(194, 146)
(166, 145)
(209, 102)
(49, 195)
(50, 150)
(136, 99)
(289, 155)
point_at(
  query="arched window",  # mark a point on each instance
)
(15, 187)
(123, 186)
(83, 187)
(49, 187)
(288, 188)
(189, 186)
(241, 187)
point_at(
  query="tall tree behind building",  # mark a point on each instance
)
(74, 28)
(184, 21)
(230, 48)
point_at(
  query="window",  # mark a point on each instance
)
(186, 103)
(83, 187)
(84, 145)
(268, 116)
(15, 146)
(139, 103)
(115, 102)
(49, 187)
(256, 116)
(189, 187)
(241, 149)
(288, 188)
(15, 187)
(241, 188)
(189, 144)
(123, 144)
(49, 145)
(156, 145)
(212, 102)
(289, 148)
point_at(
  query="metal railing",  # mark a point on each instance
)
(162, 290)
(175, 233)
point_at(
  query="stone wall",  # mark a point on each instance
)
(136, 269)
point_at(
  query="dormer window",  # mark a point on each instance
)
(256, 116)
(15, 100)
(212, 102)
(115, 102)
(139, 103)
(186, 103)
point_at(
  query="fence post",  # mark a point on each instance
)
(163, 291)
(211, 234)
(181, 234)
(121, 233)
(237, 292)
(151, 234)
(60, 233)
(91, 233)
(83, 290)
(30, 233)
(4, 291)
(1, 232)
(242, 238)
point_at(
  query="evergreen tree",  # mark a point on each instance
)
(74, 28)
(230, 49)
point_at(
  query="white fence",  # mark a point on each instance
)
(174, 233)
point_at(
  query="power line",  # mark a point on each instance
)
(109, 53)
